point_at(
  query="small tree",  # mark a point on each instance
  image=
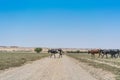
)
(77, 51)
(38, 50)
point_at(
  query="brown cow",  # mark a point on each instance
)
(94, 51)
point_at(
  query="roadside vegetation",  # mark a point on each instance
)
(8, 60)
(77, 51)
(90, 61)
(38, 50)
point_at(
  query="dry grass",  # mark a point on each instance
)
(84, 58)
(17, 59)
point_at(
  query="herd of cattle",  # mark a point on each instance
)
(55, 51)
(114, 53)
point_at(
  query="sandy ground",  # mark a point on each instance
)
(48, 69)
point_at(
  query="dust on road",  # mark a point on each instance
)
(48, 69)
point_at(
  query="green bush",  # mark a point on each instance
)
(38, 50)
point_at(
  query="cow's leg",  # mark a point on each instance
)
(61, 55)
(106, 55)
(115, 55)
(99, 55)
(111, 55)
(118, 56)
(51, 55)
(103, 55)
(93, 55)
(54, 56)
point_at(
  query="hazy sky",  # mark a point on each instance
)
(60, 23)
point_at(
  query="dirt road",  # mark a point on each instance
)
(48, 69)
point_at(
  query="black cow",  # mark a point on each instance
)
(55, 51)
(113, 52)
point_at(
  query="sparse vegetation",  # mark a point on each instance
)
(78, 51)
(17, 59)
(84, 58)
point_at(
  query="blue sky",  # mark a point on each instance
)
(60, 23)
